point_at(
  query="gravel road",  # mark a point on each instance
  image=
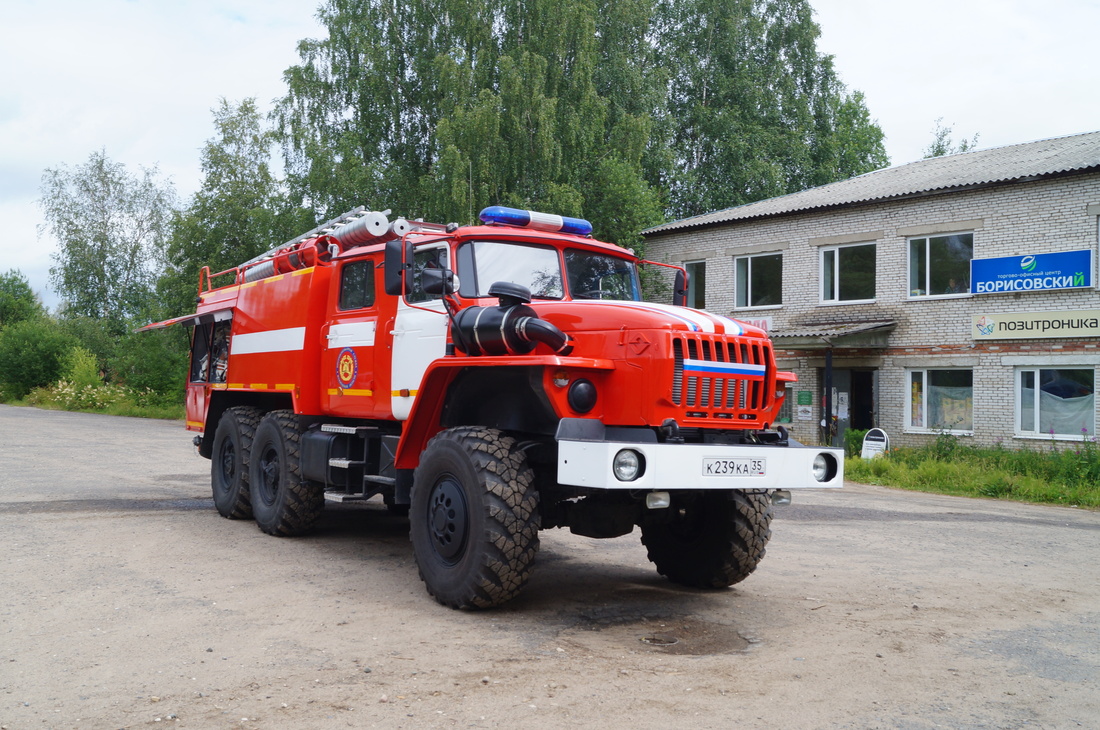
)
(126, 601)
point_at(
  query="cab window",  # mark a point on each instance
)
(599, 276)
(357, 285)
(425, 258)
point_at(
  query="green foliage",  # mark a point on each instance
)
(32, 354)
(153, 361)
(98, 336)
(942, 143)
(80, 368)
(853, 442)
(753, 110)
(111, 399)
(110, 228)
(1070, 475)
(17, 300)
(240, 211)
(621, 112)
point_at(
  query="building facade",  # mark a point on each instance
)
(957, 294)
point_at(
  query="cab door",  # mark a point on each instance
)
(348, 358)
(419, 333)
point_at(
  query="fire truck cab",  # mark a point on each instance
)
(491, 381)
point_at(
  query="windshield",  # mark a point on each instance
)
(483, 263)
(590, 275)
(599, 276)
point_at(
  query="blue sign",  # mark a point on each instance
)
(1038, 272)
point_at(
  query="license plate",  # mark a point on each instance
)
(734, 467)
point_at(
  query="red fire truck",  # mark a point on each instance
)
(491, 381)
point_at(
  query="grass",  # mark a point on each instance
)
(108, 399)
(1069, 475)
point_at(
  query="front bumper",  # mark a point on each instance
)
(585, 460)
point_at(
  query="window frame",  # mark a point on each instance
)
(836, 274)
(925, 428)
(927, 238)
(436, 255)
(748, 280)
(1017, 397)
(370, 285)
(694, 290)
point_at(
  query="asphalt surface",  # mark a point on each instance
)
(126, 601)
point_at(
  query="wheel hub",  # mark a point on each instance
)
(269, 467)
(228, 462)
(447, 518)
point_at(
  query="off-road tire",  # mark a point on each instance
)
(474, 519)
(714, 540)
(283, 503)
(229, 462)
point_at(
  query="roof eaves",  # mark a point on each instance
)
(686, 224)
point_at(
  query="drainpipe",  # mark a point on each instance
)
(827, 440)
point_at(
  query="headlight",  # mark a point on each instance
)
(824, 467)
(628, 465)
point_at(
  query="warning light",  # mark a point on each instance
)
(501, 215)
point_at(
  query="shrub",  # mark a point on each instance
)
(32, 355)
(155, 361)
(80, 368)
(853, 442)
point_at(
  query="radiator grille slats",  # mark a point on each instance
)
(721, 377)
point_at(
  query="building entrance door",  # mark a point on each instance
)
(853, 402)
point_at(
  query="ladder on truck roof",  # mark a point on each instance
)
(356, 227)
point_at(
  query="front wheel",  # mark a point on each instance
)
(474, 518)
(283, 503)
(712, 539)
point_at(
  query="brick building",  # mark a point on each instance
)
(953, 294)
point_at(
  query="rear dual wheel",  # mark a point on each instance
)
(283, 502)
(229, 461)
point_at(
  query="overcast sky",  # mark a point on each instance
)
(138, 78)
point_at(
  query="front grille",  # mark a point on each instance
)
(721, 377)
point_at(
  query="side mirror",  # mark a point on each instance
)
(680, 289)
(398, 262)
(437, 282)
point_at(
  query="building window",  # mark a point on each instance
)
(848, 273)
(941, 400)
(1056, 402)
(940, 265)
(759, 280)
(697, 284)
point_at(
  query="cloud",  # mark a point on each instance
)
(136, 79)
(1009, 70)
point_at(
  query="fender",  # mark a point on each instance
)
(424, 420)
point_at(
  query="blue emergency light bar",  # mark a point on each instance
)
(539, 221)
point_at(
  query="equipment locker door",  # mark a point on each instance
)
(348, 359)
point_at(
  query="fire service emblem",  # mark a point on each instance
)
(347, 367)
